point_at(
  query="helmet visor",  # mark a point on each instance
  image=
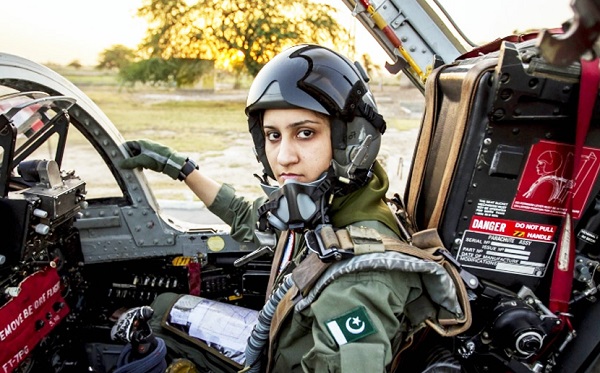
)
(309, 77)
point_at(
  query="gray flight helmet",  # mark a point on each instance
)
(317, 78)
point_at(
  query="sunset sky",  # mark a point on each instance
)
(60, 31)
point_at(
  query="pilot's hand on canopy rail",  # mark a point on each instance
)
(157, 157)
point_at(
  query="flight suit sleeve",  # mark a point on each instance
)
(381, 296)
(236, 211)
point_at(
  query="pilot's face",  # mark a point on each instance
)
(297, 144)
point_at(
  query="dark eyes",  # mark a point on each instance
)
(272, 136)
(302, 134)
(305, 134)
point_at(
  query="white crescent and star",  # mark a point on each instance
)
(356, 321)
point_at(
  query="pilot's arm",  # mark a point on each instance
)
(203, 186)
(160, 158)
(220, 199)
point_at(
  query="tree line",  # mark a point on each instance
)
(186, 40)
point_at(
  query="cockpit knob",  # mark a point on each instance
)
(42, 229)
(40, 213)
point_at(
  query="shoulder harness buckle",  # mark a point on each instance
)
(330, 244)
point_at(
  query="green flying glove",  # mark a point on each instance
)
(154, 156)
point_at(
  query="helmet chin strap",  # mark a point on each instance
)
(296, 206)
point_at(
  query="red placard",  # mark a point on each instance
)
(30, 316)
(548, 179)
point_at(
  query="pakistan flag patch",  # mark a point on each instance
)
(351, 326)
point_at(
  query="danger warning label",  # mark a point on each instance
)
(534, 231)
(548, 179)
(494, 252)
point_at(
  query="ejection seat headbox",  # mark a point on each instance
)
(497, 184)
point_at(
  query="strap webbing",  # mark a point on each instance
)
(283, 238)
(562, 277)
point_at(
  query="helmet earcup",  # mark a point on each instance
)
(360, 138)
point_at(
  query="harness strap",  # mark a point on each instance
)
(562, 276)
(283, 310)
(308, 272)
(279, 249)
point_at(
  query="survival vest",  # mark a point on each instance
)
(444, 306)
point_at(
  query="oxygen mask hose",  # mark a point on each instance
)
(260, 334)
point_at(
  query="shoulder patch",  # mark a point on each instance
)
(351, 326)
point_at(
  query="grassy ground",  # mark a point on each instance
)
(174, 115)
(176, 122)
(178, 115)
(211, 126)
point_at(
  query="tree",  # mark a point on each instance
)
(116, 57)
(156, 71)
(252, 31)
(75, 64)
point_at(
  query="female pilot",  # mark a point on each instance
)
(316, 132)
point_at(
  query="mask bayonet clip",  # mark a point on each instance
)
(267, 241)
(324, 242)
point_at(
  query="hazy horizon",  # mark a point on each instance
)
(62, 31)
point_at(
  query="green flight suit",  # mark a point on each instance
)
(305, 342)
